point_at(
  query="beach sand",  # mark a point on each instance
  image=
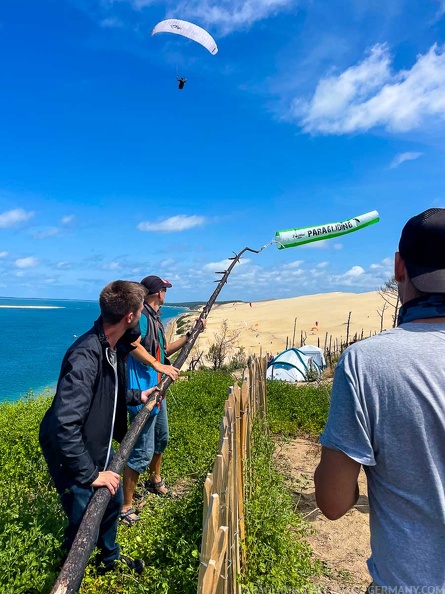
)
(266, 326)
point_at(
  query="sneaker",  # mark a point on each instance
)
(136, 565)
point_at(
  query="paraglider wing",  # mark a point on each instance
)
(189, 30)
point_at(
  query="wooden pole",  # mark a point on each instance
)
(295, 327)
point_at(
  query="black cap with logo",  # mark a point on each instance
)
(154, 284)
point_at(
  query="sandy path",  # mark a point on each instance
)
(344, 544)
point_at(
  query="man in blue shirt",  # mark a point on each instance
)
(146, 365)
(387, 414)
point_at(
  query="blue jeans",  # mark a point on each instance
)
(75, 501)
(153, 439)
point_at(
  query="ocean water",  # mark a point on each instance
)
(33, 340)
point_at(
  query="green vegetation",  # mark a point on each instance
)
(168, 535)
(297, 409)
(279, 559)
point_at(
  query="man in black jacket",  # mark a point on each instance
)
(88, 410)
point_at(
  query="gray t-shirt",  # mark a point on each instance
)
(388, 413)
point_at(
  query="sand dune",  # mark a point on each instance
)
(265, 326)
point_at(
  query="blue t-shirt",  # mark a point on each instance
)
(140, 376)
(388, 413)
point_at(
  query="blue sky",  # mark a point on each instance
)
(312, 112)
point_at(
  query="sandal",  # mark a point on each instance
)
(155, 488)
(125, 517)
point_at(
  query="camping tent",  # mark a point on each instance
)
(295, 365)
(316, 353)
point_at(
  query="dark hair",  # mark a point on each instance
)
(119, 298)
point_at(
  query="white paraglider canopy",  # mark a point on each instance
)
(189, 30)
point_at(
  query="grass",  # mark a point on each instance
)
(295, 410)
(169, 533)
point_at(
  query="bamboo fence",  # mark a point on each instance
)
(223, 534)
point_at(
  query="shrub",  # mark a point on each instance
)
(168, 535)
(297, 409)
(278, 557)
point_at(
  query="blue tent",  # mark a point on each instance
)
(296, 365)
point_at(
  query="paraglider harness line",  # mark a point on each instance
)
(72, 572)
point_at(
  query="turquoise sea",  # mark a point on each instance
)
(33, 340)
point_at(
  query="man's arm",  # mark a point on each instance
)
(172, 347)
(336, 487)
(141, 354)
(71, 406)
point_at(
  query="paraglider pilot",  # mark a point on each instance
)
(181, 82)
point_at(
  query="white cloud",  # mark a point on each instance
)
(138, 4)
(177, 223)
(111, 23)
(29, 262)
(230, 15)
(440, 10)
(225, 15)
(10, 218)
(49, 232)
(63, 265)
(402, 157)
(386, 265)
(322, 264)
(355, 271)
(370, 94)
(111, 266)
(223, 265)
(3, 254)
(295, 264)
(67, 219)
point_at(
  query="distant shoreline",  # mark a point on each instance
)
(31, 307)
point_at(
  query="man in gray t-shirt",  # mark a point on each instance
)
(388, 414)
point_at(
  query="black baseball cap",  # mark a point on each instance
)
(154, 284)
(422, 247)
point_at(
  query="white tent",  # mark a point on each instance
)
(316, 353)
(295, 365)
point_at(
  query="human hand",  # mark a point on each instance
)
(108, 479)
(145, 395)
(200, 323)
(169, 370)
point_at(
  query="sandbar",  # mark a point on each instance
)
(30, 307)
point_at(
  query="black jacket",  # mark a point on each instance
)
(151, 339)
(76, 431)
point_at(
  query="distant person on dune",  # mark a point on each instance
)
(387, 414)
(146, 365)
(89, 408)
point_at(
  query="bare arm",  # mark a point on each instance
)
(172, 347)
(336, 487)
(141, 354)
